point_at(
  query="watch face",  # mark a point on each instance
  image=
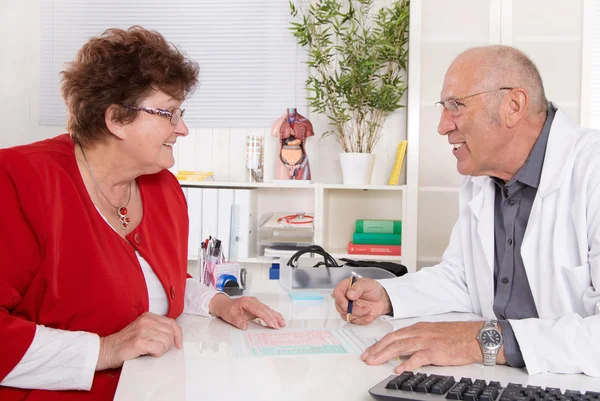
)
(491, 338)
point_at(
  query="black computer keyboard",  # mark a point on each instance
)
(411, 386)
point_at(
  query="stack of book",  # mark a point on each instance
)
(376, 237)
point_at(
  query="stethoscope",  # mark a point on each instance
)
(295, 219)
(328, 260)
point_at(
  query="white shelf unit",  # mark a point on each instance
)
(342, 205)
(328, 198)
(335, 207)
(270, 197)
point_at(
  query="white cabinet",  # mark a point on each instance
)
(335, 208)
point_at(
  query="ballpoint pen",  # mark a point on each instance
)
(213, 261)
(350, 302)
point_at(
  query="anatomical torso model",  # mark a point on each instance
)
(292, 129)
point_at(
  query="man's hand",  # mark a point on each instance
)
(441, 344)
(149, 334)
(239, 311)
(370, 300)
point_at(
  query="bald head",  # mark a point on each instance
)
(498, 66)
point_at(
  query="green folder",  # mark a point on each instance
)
(376, 239)
(379, 226)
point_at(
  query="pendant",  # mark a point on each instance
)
(123, 219)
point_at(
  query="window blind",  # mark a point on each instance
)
(251, 69)
(595, 69)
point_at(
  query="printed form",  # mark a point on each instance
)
(352, 341)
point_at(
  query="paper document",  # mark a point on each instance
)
(338, 341)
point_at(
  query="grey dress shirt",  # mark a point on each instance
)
(512, 295)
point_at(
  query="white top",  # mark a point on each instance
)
(66, 360)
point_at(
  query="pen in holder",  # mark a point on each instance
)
(213, 258)
(215, 272)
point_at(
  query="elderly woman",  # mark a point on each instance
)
(94, 228)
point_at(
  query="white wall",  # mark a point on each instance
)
(20, 73)
(548, 30)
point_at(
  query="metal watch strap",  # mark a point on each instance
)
(489, 357)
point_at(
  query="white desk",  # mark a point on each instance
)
(205, 369)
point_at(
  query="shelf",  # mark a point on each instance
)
(338, 253)
(259, 259)
(256, 259)
(366, 187)
(242, 184)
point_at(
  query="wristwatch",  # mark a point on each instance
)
(490, 341)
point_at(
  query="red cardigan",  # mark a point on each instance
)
(63, 267)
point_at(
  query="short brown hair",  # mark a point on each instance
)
(121, 67)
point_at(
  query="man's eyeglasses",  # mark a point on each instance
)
(453, 105)
(174, 116)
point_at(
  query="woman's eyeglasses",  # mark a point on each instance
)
(174, 116)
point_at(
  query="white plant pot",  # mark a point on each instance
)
(357, 168)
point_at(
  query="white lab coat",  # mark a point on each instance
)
(560, 250)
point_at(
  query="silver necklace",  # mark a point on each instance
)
(124, 220)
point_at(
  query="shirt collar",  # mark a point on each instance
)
(530, 173)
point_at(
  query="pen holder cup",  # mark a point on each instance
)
(224, 275)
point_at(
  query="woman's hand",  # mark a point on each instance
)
(370, 300)
(239, 311)
(149, 334)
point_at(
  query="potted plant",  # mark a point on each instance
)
(357, 77)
